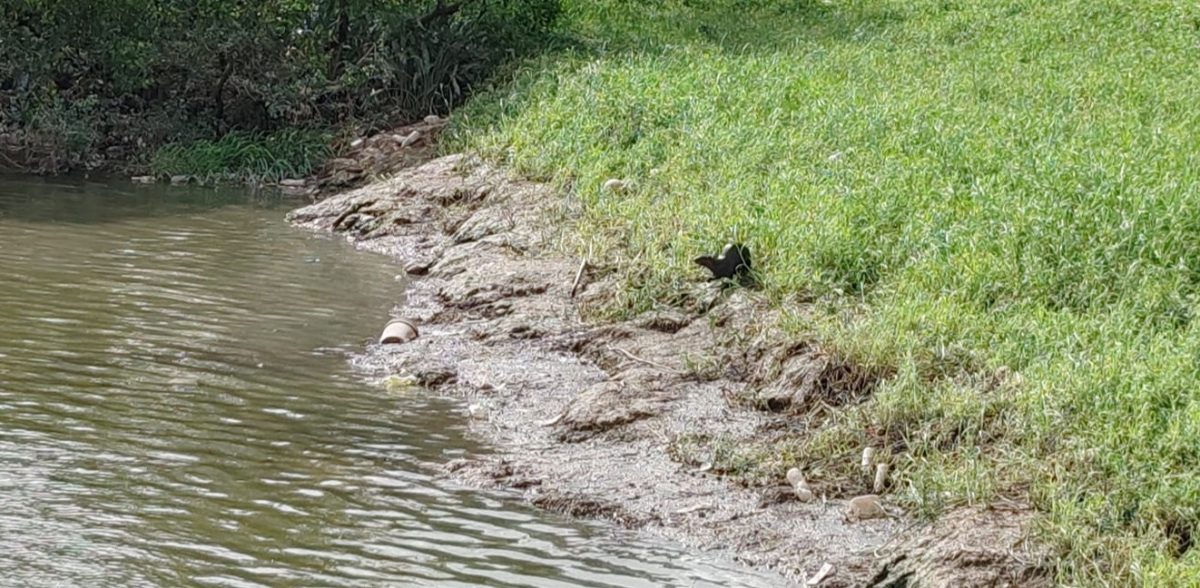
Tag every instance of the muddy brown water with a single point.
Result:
(177, 409)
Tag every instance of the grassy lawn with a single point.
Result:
(999, 201)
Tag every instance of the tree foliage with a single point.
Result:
(78, 79)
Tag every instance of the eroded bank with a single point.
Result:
(640, 422)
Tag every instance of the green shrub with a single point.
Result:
(245, 156)
(216, 66)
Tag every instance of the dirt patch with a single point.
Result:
(628, 422)
(970, 547)
(799, 378)
(367, 158)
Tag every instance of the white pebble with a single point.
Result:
(804, 493)
(868, 457)
(881, 474)
(867, 506)
(615, 185)
(412, 137)
(795, 477)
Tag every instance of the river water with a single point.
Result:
(177, 409)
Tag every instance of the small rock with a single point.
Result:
(868, 458)
(143, 179)
(433, 119)
(417, 268)
(412, 138)
(615, 185)
(867, 506)
(881, 474)
(822, 574)
(357, 143)
(795, 477)
(292, 183)
(804, 494)
(180, 179)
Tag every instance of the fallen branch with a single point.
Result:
(660, 366)
(578, 276)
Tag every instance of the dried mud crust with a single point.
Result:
(587, 419)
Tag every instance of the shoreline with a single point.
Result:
(638, 422)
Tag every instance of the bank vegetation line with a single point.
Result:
(994, 202)
(668, 422)
(223, 90)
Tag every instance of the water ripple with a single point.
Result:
(176, 410)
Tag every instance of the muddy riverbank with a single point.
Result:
(635, 422)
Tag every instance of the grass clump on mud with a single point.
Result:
(241, 155)
(999, 202)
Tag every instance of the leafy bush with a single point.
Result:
(218, 66)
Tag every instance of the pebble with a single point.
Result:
(881, 474)
(615, 185)
(822, 574)
(412, 137)
(416, 268)
(867, 506)
(804, 494)
(356, 143)
(795, 477)
(868, 458)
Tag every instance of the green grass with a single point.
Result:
(961, 188)
(241, 156)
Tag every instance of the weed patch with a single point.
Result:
(245, 156)
(962, 189)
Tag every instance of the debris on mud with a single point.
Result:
(371, 157)
(970, 547)
(632, 422)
